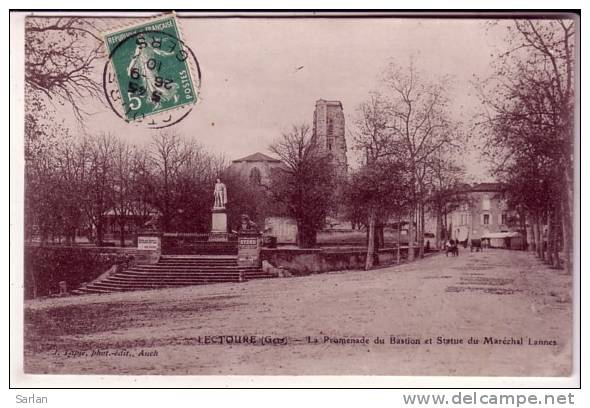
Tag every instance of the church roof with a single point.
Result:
(257, 157)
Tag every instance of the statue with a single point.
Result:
(220, 194)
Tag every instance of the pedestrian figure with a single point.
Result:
(451, 246)
(476, 244)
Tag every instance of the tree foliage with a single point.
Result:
(528, 126)
(408, 122)
(61, 57)
(305, 184)
(78, 187)
(376, 192)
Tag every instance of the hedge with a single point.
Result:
(46, 266)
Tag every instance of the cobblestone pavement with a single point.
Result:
(494, 313)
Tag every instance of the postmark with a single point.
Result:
(151, 77)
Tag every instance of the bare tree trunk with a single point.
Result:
(533, 244)
(525, 238)
(306, 236)
(379, 240)
(539, 232)
(411, 237)
(399, 238)
(33, 281)
(423, 229)
(535, 230)
(445, 225)
(371, 243)
(379, 234)
(567, 235)
(549, 248)
(568, 201)
(438, 228)
(422, 222)
(99, 232)
(122, 233)
(556, 244)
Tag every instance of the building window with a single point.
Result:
(504, 218)
(255, 176)
(486, 219)
(486, 203)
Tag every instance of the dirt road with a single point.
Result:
(428, 315)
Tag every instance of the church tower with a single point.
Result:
(328, 129)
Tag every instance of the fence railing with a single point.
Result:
(189, 243)
(206, 236)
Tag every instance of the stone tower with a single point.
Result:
(328, 129)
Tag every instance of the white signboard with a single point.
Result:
(149, 243)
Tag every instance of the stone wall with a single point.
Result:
(310, 261)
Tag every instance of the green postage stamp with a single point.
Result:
(149, 72)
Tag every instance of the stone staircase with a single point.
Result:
(174, 271)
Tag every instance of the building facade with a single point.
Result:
(483, 213)
(256, 167)
(329, 131)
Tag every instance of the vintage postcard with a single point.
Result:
(296, 194)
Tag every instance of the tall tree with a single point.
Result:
(61, 56)
(142, 188)
(123, 177)
(419, 126)
(68, 187)
(378, 189)
(529, 125)
(373, 140)
(182, 178)
(304, 185)
(247, 195)
(98, 193)
(166, 159)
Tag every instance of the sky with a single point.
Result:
(252, 89)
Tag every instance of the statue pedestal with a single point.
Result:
(219, 220)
